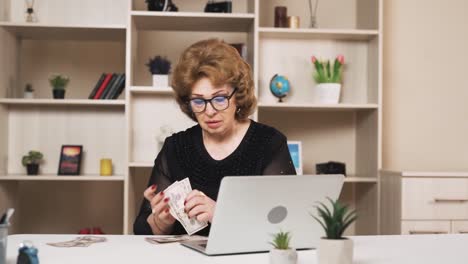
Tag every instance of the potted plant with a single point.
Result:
(334, 248)
(282, 253)
(28, 91)
(32, 161)
(59, 83)
(328, 80)
(159, 68)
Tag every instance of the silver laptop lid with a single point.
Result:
(251, 208)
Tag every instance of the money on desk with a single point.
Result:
(177, 193)
(172, 239)
(84, 241)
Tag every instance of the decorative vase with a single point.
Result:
(32, 169)
(106, 167)
(160, 80)
(335, 251)
(328, 93)
(58, 93)
(28, 95)
(283, 256)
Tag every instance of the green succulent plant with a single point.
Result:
(58, 81)
(33, 157)
(336, 220)
(281, 240)
(324, 72)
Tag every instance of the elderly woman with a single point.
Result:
(214, 87)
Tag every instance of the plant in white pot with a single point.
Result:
(31, 161)
(328, 88)
(334, 248)
(28, 91)
(159, 68)
(59, 83)
(282, 253)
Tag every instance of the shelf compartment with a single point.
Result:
(306, 33)
(61, 102)
(51, 177)
(38, 31)
(316, 107)
(192, 21)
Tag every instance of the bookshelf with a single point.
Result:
(127, 129)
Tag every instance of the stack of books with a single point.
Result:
(109, 86)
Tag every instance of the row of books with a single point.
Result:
(109, 86)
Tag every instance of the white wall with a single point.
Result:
(425, 85)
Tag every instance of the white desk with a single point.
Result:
(427, 249)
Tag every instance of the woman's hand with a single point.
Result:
(160, 220)
(200, 206)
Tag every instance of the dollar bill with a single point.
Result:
(84, 241)
(177, 193)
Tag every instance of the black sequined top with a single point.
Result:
(262, 151)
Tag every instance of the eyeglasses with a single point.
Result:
(219, 103)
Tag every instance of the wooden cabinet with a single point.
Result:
(424, 202)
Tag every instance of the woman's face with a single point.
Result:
(212, 121)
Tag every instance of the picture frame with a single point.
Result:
(70, 160)
(295, 150)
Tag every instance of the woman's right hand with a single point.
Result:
(160, 220)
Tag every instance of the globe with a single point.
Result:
(279, 86)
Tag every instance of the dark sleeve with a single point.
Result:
(279, 161)
(161, 177)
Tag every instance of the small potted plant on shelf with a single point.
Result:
(59, 83)
(28, 91)
(282, 253)
(32, 161)
(334, 248)
(328, 80)
(159, 68)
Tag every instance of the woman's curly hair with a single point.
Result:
(221, 64)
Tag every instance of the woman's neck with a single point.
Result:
(228, 135)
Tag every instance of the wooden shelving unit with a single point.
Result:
(127, 129)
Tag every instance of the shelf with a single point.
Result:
(361, 179)
(141, 164)
(193, 21)
(150, 90)
(306, 33)
(39, 31)
(62, 102)
(317, 107)
(428, 174)
(61, 178)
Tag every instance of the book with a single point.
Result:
(109, 86)
(121, 87)
(241, 48)
(113, 89)
(96, 87)
(103, 86)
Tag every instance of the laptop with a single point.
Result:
(250, 209)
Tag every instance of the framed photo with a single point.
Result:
(70, 160)
(295, 150)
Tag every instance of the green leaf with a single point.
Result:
(336, 72)
(328, 71)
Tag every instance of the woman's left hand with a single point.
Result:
(200, 206)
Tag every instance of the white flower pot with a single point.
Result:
(278, 256)
(328, 93)
(28, 95)
(335, 251)
(160, 80)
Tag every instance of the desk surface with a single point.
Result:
(425, 249)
